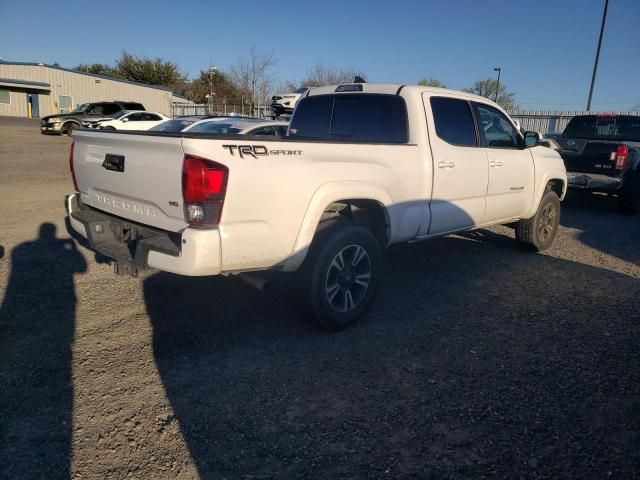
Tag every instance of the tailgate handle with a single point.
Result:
(112, 162)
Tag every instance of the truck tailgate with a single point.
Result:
(109, 167)
(589, 156)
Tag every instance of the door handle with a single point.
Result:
(446, 164)
(495, 163)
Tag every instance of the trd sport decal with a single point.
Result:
(258, 150)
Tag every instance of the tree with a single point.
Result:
(213, 80)
(321, 74)
(96, 68)
(149, 71)
(431, 82)
(251, 75)
(487, 88)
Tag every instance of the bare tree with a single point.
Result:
(321, 74)
(251, 75)
(431, 82)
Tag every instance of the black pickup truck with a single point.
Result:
(602, 154)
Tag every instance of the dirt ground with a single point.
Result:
(476, 360)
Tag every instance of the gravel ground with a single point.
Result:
(476, 360)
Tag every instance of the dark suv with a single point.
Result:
(66, 122)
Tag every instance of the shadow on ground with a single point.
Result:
(475, 359)
(602, 226)
(37, 323)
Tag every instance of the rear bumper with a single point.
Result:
(191, 252)
(594, 181)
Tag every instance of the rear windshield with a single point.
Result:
(172, 126)
(133, 106)
(367, 117)
(596, 127)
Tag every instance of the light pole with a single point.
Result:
(497, 69)
(212, 71)
(595, 64)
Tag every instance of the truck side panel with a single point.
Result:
(270, 191)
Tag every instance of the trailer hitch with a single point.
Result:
(125, 269)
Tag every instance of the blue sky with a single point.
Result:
(545, 48)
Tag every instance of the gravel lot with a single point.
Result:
(476, 360)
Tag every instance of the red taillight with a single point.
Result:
(204, 185)
(73, 172)
(622, 153)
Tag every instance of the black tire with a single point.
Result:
(629, 198)
(336, 297)
(67, 128)
(538, 232)
(109, 128)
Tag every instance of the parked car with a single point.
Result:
(130, 120)
(242, 126)
(602, 154)
(64, 123)
(285, 102)
(364, 166)
(180, 123)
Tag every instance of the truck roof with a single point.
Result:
(390, 89)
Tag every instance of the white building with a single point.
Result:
(36, 90)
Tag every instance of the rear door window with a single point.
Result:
(454, 121)
(132, 106)
(110, 108)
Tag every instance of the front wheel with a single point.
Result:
(67, 129)
(538, 232)
(340, 275)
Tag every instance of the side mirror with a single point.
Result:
(125, 120)
(531, 139)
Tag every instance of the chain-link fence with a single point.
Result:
(550, 121)
(231, 108)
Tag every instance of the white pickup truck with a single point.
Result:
(364, 166)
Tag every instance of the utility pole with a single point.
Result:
(211, 72)
(497, 69)
(595, 65)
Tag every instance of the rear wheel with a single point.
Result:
(538, 232)
(629, 198)
(340, 274)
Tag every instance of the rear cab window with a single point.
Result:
(604, 127)
(364, 117)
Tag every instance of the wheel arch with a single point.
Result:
(66, 123)
(556, 181)
(365, 204)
